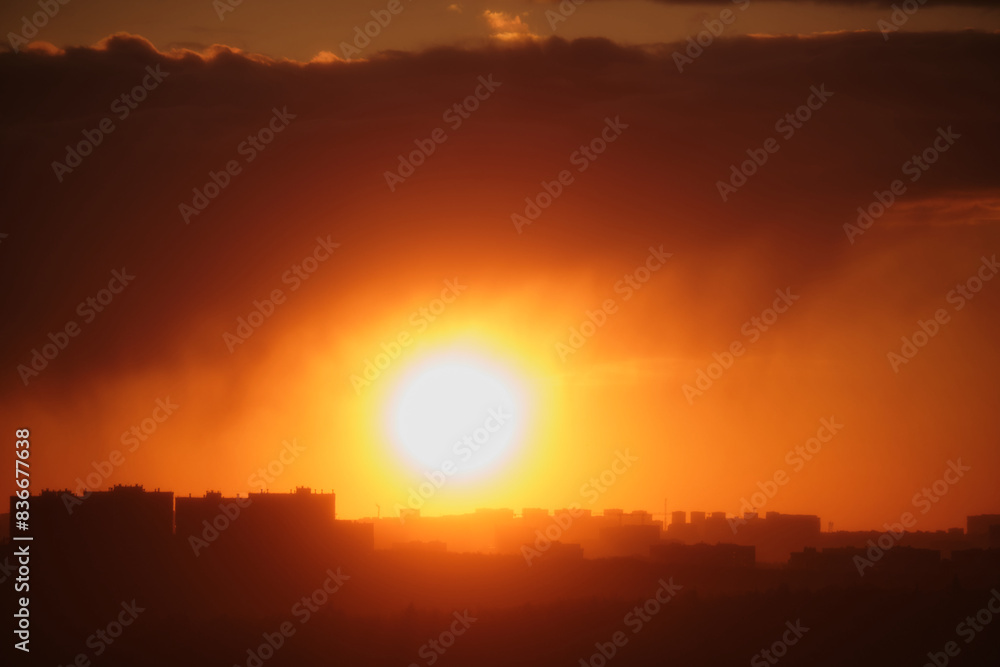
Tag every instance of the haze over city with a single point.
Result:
(421, 282)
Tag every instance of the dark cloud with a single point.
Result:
(324, 174)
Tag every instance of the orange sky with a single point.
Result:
(656, 185)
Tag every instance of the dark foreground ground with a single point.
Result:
(288, 608)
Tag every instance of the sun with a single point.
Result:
(459, 413)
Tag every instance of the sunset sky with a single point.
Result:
(649, 231)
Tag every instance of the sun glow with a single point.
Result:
(457, 411)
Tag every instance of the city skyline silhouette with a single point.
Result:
(468, 333)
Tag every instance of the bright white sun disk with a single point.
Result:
(457, 408)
